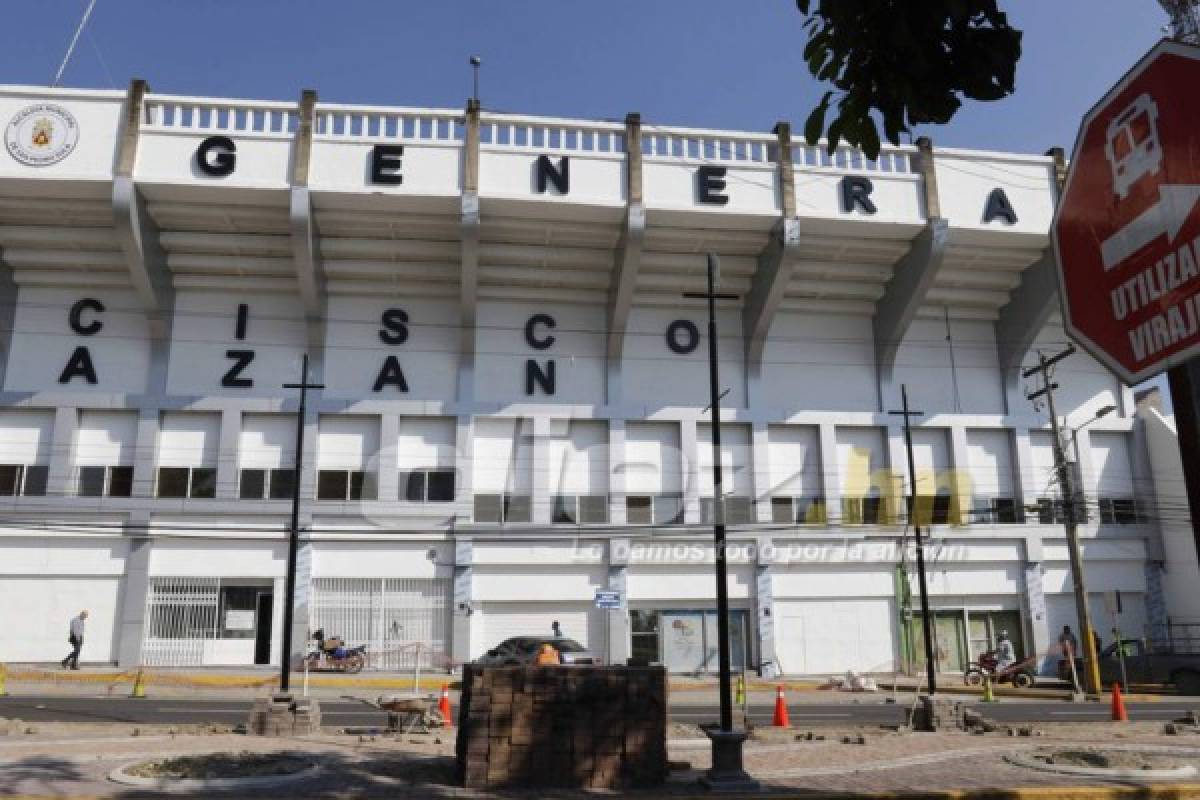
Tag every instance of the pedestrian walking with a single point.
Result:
(556, 629)
(1068, 642)
(75, 637)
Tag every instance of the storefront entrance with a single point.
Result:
(686, 641)
(208, 621)
(953, 648)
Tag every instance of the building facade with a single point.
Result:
(514, 404)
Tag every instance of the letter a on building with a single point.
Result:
(1125, 231)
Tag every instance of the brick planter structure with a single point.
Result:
(590, 727)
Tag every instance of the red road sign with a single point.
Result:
(1127, 233)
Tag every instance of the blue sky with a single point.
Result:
(705, 63)
(719, 63)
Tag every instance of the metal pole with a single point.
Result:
(1090, 666)
(285, 657)
(926, 622)
(718, 506)
(71, 47)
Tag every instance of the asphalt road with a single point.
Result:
(346, 712)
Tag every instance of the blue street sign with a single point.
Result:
(608, 598)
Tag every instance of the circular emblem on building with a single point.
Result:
(41, 135)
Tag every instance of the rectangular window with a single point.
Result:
(1050, 511)
(586, 509)
(283, 483)
(503, 508)
(783, 511)
(668, 509)
(252, 484)
(36, 476)
(362, 485)
(120, 481)
(427, 486)
(862, 510)
(737, 510)
(10, 479)
(91, 481)
(639, 509)
(566, 509)
(413, 486)
(800, 510)
(204, 482)
(440, 486)
(1118, 511)
(173, 482)
(331, 484)
(932, 509)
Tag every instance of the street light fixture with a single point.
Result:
(727, 773)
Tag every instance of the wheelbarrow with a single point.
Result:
(411, 714)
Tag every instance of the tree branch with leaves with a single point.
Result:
(907, 62)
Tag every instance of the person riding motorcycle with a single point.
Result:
(1005, 654)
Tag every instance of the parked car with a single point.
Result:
(522, 650)
(1143, 666)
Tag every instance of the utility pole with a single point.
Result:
(1091, 665)
(1184, 380)
(294, 529)
(926, 622)
(727, 773)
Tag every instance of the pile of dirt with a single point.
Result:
(211, 766)
(1110, 759)
(679, 730)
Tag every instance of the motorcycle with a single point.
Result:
(332, 655)
(1019, 673)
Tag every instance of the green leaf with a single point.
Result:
(816, 121)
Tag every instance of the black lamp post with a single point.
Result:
(727, 773)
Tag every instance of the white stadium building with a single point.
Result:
(514, 404)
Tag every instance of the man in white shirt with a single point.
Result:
(75, 637)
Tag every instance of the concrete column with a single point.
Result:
(228, 476)
(900, 488)
(764, 607)
(620, 645)
(463, 611)
(616, 473)
(1157, 619)
(60, 475)
(1034, 600)
(1025, 482)
(831, 476)
(302, 609)
(761, 475)
(541, 470)
(1087, 483)
(960, 481)
(388, 468)
(136, 585)
(464, 446)
(690, 474)
(308, 469)
(146, 452)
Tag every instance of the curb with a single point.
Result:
(119, 775)
(152, 679)
(1174, 773)
(1153, 791)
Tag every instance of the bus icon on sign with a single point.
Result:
(1132, 144)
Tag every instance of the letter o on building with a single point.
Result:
(683, 336)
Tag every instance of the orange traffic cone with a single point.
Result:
(444, 705)
(781, 712)
(1118, 705)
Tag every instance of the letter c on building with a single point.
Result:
(531, 337)
(75, 318)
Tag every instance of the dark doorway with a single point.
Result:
(262, 629)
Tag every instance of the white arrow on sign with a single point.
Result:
(1166, 216)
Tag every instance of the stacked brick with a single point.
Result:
(283, 715)
(566, 727)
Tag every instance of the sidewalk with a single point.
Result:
(48, 679)
(71, 760)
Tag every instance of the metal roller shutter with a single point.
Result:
(816, 637)
(579, 621)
